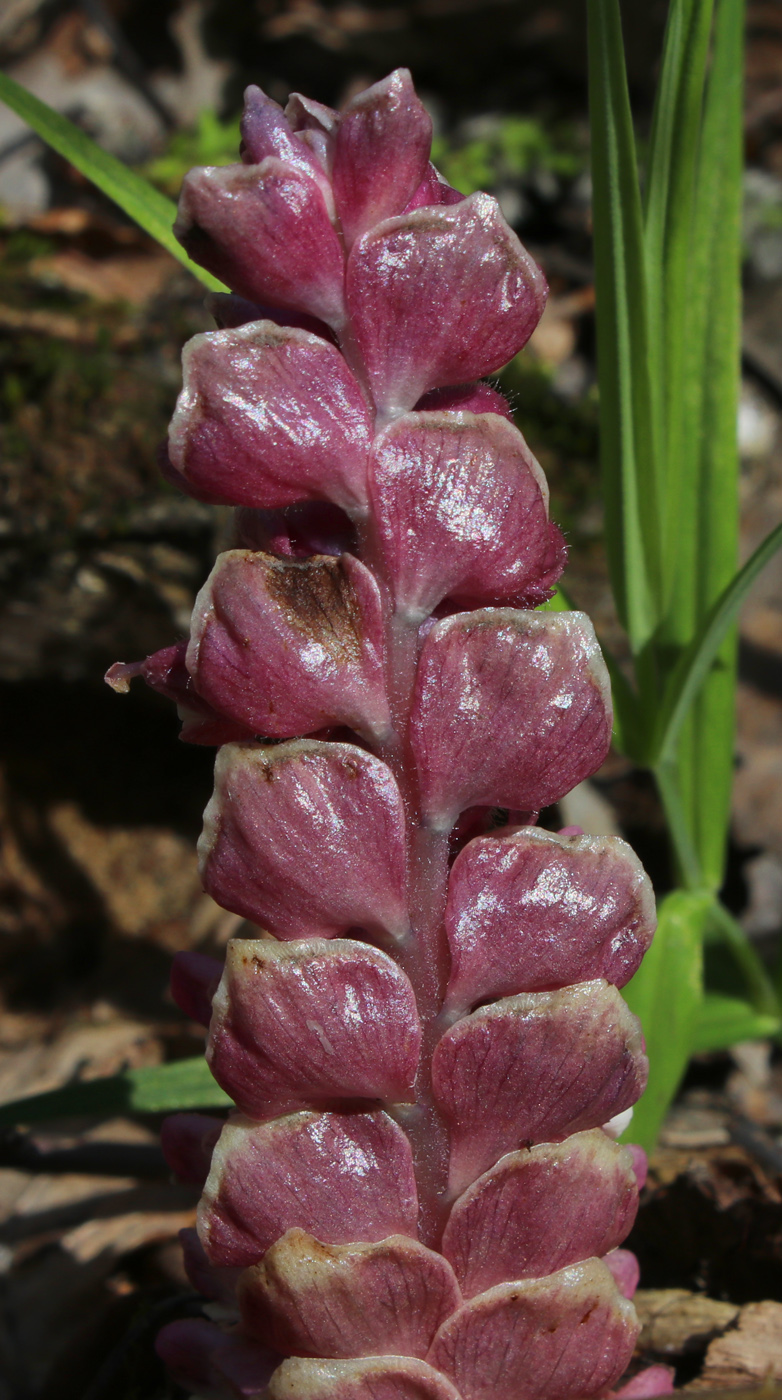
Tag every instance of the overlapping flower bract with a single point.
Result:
(416, 1198)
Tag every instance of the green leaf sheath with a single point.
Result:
(666, 994)
(150, 209)
(161, 1089)
(724, 1021)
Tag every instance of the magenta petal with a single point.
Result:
(433, 189)
(511, 708)
(218, 1285)
(310, 1299)
(381, 153)
(265, 231)
(466, 398)
(165, 671)
(626, 1270)
(303, 1023)
(269, 415)
(188, 1141)
(440, 296)
(548, 1339)
(341, 1177)
(267, 132)
(289, 647)
(535, 1068)
(533, 910)
(462, 512)
(374, 1378)
(219, 1365)
(194, 981)
(647, 1384)
(540, 1209)
(306, 839)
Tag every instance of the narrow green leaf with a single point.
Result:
(759, 984)
(150, 209)
(694, 665)
(724, 1021)
(627, 422)
(666, 994)
(161, 1089)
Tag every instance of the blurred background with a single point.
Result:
(100, 805)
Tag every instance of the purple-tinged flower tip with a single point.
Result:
(439, 297)
(544, 1339)
(305, 115)
(511, 708)
(165, 671)
(290, 647)
(310, 1299)
(265, 231)
(220, 1365)
(373, 1378)
(647, 1384)
(194, 981)
(540, 1209)
(283, 819)
(269, 416)
(433, 189)
(535, 1068)
(266, 131)
(296, 1025)
(462, 512)
(341, 1177)
(626, 1270)
(466, 398)
(297, 532)
(533, 910)
(188, 1141)
(381, 153)
(219, 1285)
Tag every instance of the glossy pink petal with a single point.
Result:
(626, 1270)
(532, 910)
(540, 1209)
(341, 1177)
(219, 1365)
(194, 981)
(462, 511)
(511, 709)
(547, 1339)
(381, 153)
(306, 839)
(310, 1299)
(269, 415)
(649, 1383)
(535, 1068)
(433, 189)
(374, 1378)
(188, 1141)
(466, 398)
(303, 1023)
(438, 297)
(267, 132)
(265, 231)
(287, 647)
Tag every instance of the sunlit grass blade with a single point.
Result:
(150, 209)
(160, 1089)
(694, 666)
(724, 1021)
(628, 429)
(666, 993)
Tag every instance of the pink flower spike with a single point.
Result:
(626, 1270)
(381, 153)
(284, 820)
(534, 910)
(647, 1384)
(438, 297)
(535, 1068)
(462, 511)
(540, 1209)
(311, 1299)
(287, 647)
(567, 1335)
(341, 1177)
(300, 1024)
(374, 1378)
(220, 1365)
(511, 709)
(265, 231)
(194, 981)
(269, 415)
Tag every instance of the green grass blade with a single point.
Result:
(161, 1089)
(694, 666)
(150, 209)
(759, 984)
(724, 1021)
(666, 993)
(627, 424)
